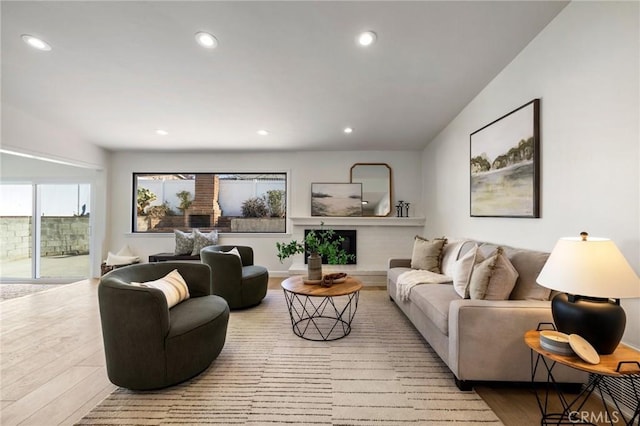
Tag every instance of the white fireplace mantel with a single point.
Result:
(357, 221)
(378, 239)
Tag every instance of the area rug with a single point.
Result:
(13, 291)
(383, 373)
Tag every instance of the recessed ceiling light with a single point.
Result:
(367, 38)
(35, 42)
(162, 132)
(348, 130)
(206, 40)
(262, 132)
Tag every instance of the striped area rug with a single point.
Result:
(383, 373)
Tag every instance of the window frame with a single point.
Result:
(186, 226)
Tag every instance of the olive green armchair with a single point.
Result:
(146, 344)
(235, 278)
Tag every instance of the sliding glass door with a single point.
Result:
(64, 232)
(16, 223)
(45, 230)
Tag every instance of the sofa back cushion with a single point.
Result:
(452, 252)
(528, 263)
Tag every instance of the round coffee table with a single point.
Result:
(321, 313)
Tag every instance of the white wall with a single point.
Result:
(26, 134)
(303, 168)
(20, 169)
(584, 66)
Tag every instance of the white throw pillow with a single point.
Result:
(172, 285)
(125, 251)
(201, 240)
(116, 260)
(462, 269)
(450, 253)
(233, 251)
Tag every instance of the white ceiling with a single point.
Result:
(120, 70)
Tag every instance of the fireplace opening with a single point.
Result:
(200, 221)
(348, 244)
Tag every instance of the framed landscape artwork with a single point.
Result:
(336, 199)
(505, 165)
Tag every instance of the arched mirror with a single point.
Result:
(376, 187)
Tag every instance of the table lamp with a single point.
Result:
(593, 276)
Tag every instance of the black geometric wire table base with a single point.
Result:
(573, 408)
(622, 365)
(321, 318)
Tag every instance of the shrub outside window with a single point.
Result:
(226, 202)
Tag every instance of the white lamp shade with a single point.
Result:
(593, 268)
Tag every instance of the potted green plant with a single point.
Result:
(185, 201)
(319, 243)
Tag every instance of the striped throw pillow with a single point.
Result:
(172, 285)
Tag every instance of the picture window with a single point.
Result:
(226, 202)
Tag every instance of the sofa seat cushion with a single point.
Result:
(253, 271)
(196, 312)
(394, 273)
(434, 300)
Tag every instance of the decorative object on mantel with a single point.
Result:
(318, 243)
(402, 209)
(592, 275)
(505, 165)
(377, 187)
(336, 199)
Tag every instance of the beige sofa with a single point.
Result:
(481, 340)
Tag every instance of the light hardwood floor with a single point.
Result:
(52, 369)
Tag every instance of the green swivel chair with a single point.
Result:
(235, 278)
(146, 344)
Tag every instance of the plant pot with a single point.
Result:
(314, 266)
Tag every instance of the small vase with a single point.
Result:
(314, 266)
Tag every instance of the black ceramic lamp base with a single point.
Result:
(599, 321)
